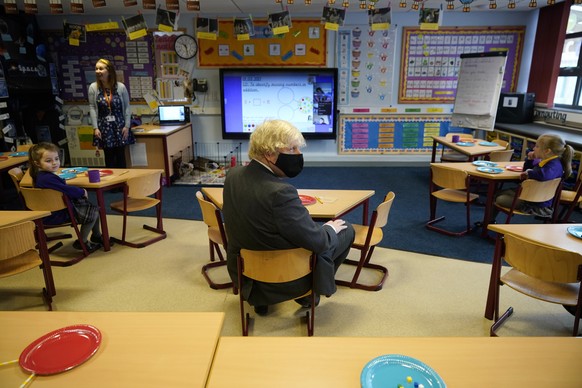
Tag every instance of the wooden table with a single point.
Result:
(12, 161)
(492, 181)
(164, 144)
(332, 203)
(117, 179)
(337, 362)
(138, 349)
(471, 152)
(11, 217)
(552, 235)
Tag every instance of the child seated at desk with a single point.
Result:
(551, 158)
(44, 164)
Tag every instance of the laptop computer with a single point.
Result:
(173, 114)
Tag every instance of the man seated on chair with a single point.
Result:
(264, 212)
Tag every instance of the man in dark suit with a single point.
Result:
(263, 212)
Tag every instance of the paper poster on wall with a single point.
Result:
(366, 67)
(396, 135)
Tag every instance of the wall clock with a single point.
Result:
(186, 46)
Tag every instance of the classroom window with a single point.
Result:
(569, 85)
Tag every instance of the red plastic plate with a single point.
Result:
(102, 173)
(307, 199)
(514, 168)
(61, 350)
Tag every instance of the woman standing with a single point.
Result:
(110, 114)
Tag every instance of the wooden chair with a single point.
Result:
(216, 237)
(23, 147)
(454, 156)
(18, 255)
(137, 194)
(570, 199)
(532, 190)
(500, 156)
(53, 200)
(367, 237)
(450, 185)
(541, 272)
(16, 175)
(278, 266)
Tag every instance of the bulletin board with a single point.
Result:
(133, 60)
(430, 60)
(396, 135)
(304, 45)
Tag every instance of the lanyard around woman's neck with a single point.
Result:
(108, 97)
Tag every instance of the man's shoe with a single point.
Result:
(91, 246)
(305, 301)
(262, 310)
(99, 240)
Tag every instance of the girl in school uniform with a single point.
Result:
(44, 163)
(551, 158)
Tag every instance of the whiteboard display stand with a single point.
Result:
(478, 88)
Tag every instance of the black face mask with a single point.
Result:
(290, 164)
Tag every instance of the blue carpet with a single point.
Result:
(405, 229)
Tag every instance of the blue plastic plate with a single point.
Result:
(74, 170)
(465, 144)
(19, 154)
(67, 175)
(390, 370)
(484, 163)
(575, 231)
(490, 170)
(488, 144)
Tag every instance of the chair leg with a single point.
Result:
(499, 322)
(205, 272)
(364, 262)
(311, 316)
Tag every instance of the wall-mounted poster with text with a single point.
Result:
(430, 60)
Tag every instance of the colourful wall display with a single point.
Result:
(303, 45)
(381, 134)
(430, 60)
(365, 60)
(133, 60)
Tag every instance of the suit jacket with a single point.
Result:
(264, 212)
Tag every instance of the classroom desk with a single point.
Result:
(138, 349)
(163, 145)
(117, 179)
(552, 235)
(492, 181)
(472, 152)
(338, 362)
(11, 161)
(332, 203)
(11, 217)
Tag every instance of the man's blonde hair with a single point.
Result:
(272, 135)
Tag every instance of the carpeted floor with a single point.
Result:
(424, 295)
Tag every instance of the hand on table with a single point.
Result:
(337, 225)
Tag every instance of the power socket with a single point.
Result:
(200, 85)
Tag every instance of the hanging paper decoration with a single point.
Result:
(550, 2)
(492, 4)
(30, 7)
(135, 27)
(244, 27)
(402, 4)
(77, 6)
(450, 4)
(333, 18)
(149, 4)
(429, 18)
(206, 28)
(166, 20)
(533, 4)
(415, 4)
(345, 4)
(466, 5)
(511, 4)
(10, 7)
(362, 4)
(380, 18)
(172, 5)
(129, 3)
(193, 5)
(99, 3)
